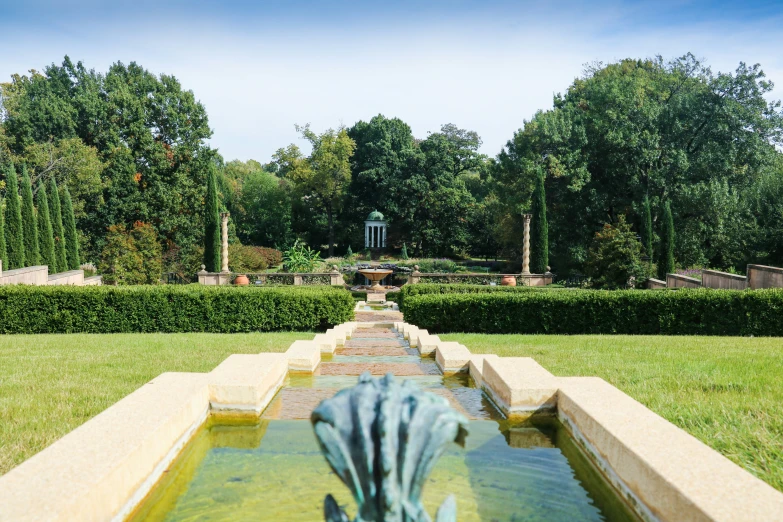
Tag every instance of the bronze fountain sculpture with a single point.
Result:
(382, 439)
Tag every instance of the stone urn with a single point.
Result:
(241, 280)
(508, 280)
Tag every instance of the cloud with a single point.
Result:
(483, 66)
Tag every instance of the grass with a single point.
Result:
(50, 384)
(725, 391)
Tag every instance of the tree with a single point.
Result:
(45, 231)
(71, 236)
(131, 257)
(145, 240)
(666, 256)
(32, 254)
(264, 211)
(539, 251)
(404, 253)
(3, 251)
(212, 225)
(646, 228)
(324, 176)
(58, 230)
(14, 233)
(613, 257)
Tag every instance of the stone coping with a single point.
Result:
(727, 275)
(104, 468)
(765, 268)
(69, 273)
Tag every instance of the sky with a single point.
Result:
(261, 67)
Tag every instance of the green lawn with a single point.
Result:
(726, 391)
(50, 384)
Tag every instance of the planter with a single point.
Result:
(508, 280)
(241, 280)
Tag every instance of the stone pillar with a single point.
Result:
(366, 236)
(526, 246)
(224, 240)
(383, 242)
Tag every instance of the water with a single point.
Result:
(271, 468)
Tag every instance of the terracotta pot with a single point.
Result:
(241, 280)
(508, 280)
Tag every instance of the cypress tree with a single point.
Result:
(3, 251)
(212, 225)
(666, 256)
(14, 242)
(539, 235)
(57, 228)
(32, 254)
(71, 237)
(45, 233)
(647, 235)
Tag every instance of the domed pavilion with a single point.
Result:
(375, 230)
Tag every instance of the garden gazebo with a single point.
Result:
(375, 230)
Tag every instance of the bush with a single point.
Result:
(425, 289)
(169, 308)
(301, 258)
(681, 312)
(131, 257)
(613, 260)
(250, 259)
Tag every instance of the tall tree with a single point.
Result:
(324, 176)
(666, 256)
(212, 225)
(32, 255)
(71, 236)
(57, 228)
(45, 231)
(14, 234)
(646, 229)
(3, 251)
(539, 251)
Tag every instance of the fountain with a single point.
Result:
(375, 275)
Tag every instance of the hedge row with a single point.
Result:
(681, 312)
(427, 288)
(194, 308)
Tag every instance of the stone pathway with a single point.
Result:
(379, 351)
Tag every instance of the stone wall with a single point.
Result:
(32, 275)
(72, 277)
(760, 276)
(278, 278)
(680, 281)
(654, 284)
(93, 281)
(480, 279)
(724, 280)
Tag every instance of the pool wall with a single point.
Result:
(104, 468)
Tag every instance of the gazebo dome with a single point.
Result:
(375, 216)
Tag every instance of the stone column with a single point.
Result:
(383, 243)
(366, 236)
(224, 240)
(526, 246)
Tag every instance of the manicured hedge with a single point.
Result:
(680, 312)
(193, 308)
(426, 288)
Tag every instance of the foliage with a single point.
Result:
(131, 257)
(666, 254)
(646, 229)
(45, 232)
(243, 258)
(32, 254)
(212, 225)
(539, 234)
(71, 237)
(613, 259)
(404, 253)
(57, 228)
(349, 253)
(301, 258)
(323, 177)
(14, 239)
(458, 288)
(638, 312)
(264, 210)
(170, 308)
(3, 251)
(437, 266)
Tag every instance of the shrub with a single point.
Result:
(14, 241)
(613, 260)
(272, 256)
(243, 258)
(57, 227)
(131, 257)
(681, 312)
(301, 258)
(426, 288)
(71, 236)
(170, 308)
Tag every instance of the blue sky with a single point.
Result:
(261, 67)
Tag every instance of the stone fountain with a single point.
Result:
(375, 275)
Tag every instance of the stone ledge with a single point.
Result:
(303, 356)
(427, 344)
(476, 368)
(327, 342)
(670, 473)
(99, 470)
(247, 382)
(519, 385)
(452, 357)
